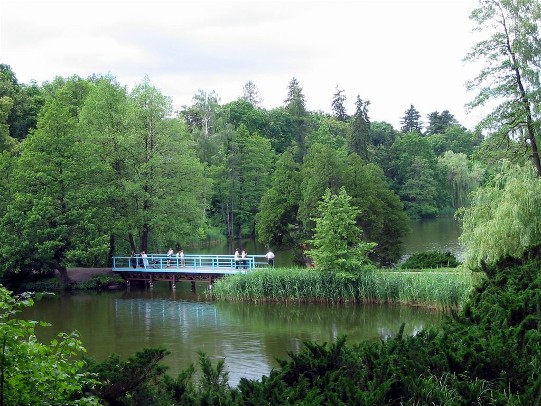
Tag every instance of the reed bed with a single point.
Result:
(444, 288)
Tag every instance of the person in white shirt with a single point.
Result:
(270, 257)
(237, 258)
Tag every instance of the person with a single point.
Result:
(133, 260)
(169, 255)
(244, 261)
(181, 256)
(270, 257)
(237, 258)
(145, 259)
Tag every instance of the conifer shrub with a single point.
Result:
(431, 259)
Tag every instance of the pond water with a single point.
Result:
(250, 337)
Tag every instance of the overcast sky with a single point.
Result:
(393, 53)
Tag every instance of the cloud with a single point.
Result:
(393, 53)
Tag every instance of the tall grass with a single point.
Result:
(443, 289)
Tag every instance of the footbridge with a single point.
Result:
(190, 268)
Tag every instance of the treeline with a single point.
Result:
(91, 169)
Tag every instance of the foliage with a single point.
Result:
(509, 82)
(441, 288)
(430, 259)
(411, 122)
(503, 220)
(337, 244)
(463, 177)
(359, 138)
(276, 221)
(416, 176)
(32, 373)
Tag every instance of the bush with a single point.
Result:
(431, 259)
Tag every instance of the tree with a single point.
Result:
(503, 220)
(337, 105)
(411, 121)
(337, 245)
(510, 79)
(382, 217)
(251, 94)
(48, 218)
(438, 123)
(168, 187)
(360, 129)
(295, 104)
(463, 177)
(323, 169)
(276, 222)
(416, 175)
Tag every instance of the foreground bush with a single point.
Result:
(439, 289)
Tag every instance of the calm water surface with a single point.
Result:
(248, 336)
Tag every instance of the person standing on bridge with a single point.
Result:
(133, 259)
(169, 255)
(244, 261)
(270, 258)
(145, 259)
(237, 258)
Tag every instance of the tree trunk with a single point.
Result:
(63, 276)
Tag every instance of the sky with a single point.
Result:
(394, 53)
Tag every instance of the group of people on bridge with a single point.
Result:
(240, 258)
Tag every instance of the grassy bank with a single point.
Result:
(440, 288)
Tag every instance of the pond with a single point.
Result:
(248, 336)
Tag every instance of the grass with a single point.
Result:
(441, 288)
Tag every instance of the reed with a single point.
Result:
(444, 288)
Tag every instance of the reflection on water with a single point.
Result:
(249, 336)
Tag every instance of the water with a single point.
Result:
(250, 337)
(439, 234)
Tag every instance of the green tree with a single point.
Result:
(416, 176)
(360, 129)
(338, 107)
(411, 122)
(382, 217)
(337, 244)
(168, 189)
(295, 104)
(32, 373)
(438, 123)
(276, 222)
(463, 177)
(48, 220)
(503, 219)
(323, 169)
(510, 78)
(251, 94)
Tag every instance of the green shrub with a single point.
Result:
(431, 259)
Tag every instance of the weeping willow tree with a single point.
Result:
(462, 176)
(503, 220)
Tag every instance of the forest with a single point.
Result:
(92, 170)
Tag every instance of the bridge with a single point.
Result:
(190, 268)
